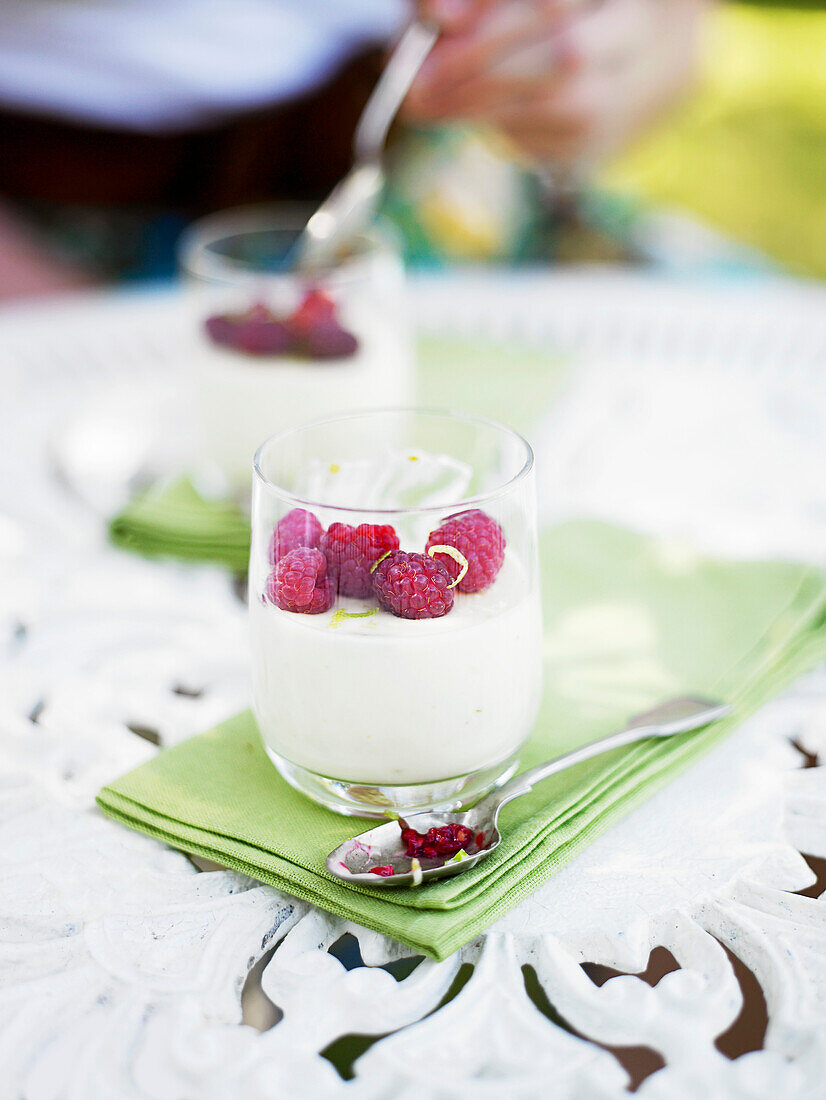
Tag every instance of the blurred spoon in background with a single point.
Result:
(351, 205)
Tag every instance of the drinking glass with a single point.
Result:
(273, 346)
(394, 606)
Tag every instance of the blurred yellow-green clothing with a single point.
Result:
(747, 151)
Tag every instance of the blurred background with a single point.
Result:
(683, 138)
(678, 133)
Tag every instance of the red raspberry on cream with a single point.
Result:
(300, 582)
(352, 552)
(413, 586)
(298, 528)
(479, 539)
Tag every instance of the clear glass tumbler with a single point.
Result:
(395, 611)
(273, 346)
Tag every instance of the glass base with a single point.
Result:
(365, 800)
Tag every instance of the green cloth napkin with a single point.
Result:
(175, 521)
(508, 382)
(629, 621)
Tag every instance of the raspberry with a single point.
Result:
(352, 551)
(263, 338)
(436, 843)
(300, 583)
(220, 328)
(312, 330)
(412, 586)
(314, 308)
(328, 340)
(297, 528)
(480, 539)
(257, 332)
(384, 871)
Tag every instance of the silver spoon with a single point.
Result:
(350, 207)
(382, 846)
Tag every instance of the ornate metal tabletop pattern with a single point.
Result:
(122, 965)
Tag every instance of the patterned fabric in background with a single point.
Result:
(458, 193)
(745, 155)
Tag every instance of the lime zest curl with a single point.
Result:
(457, 556)
(341, 615)
(378, 561)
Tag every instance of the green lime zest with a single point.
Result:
(378, 561)
(341, 615)
(460, 855)
(457, 556)
(416, 872)
(370, 796)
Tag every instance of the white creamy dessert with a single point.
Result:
(391, 701)
(241, 400)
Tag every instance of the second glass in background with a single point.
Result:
(273, 347)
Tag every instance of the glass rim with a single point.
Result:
(421, 411)
(197, 260)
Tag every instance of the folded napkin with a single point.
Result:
(508, 382)
(629, 621)
(175, 521)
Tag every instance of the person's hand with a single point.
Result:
(569, 81)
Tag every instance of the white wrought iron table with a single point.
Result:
(125, 971)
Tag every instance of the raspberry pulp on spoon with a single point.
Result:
(440, 842)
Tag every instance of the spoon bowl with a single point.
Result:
(382, 846)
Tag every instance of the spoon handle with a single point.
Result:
(525, 781)
(393, 85)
